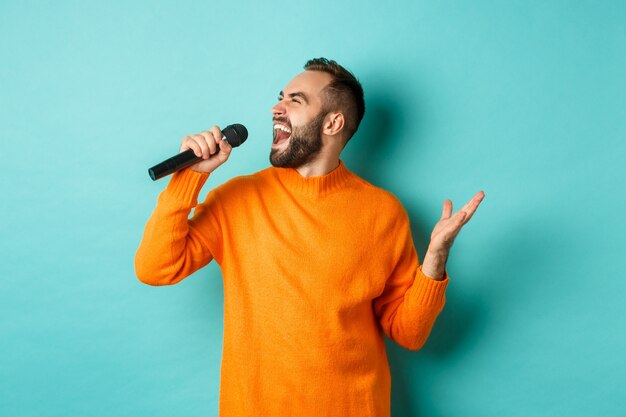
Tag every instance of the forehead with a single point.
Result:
(310, 83)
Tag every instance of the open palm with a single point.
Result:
(449, 226)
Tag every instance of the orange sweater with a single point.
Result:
(314, 270)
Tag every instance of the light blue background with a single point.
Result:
(523, 99)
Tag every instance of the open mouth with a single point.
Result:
(281, 134)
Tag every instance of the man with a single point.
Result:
(316, 262)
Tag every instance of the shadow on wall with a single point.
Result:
(503, 279)
(498, 275)
(370, 152)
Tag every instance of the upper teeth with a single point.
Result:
(283, 128)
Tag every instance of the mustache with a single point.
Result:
(283, 120)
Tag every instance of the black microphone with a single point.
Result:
(235, 135)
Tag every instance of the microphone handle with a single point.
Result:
(234, 135)
(173, 164)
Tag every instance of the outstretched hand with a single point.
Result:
(449, 226)
(444, 233)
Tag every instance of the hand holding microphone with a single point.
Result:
(203, 152)
(210, 147)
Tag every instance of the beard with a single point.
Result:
(304, 145)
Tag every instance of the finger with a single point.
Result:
(206, 149)
(453, 226)
(476, 198)
(472, 205)
(190, 143)
(447, 209)
(217, 135)
(209, 140)
(455, 220)
(225, 149)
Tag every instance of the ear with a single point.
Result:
(333, 123)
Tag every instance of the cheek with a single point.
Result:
(299, 120)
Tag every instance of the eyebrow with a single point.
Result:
(296, 94)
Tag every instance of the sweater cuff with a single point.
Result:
(429, 291)
(185, 185)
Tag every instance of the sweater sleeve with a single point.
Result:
(173, 246)
(410, 302)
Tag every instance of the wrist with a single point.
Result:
(434, 263)
(438, 252)
(433, 273)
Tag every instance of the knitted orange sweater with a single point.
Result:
(315, 270)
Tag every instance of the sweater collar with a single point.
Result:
(314, 186)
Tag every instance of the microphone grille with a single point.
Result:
(236, 134)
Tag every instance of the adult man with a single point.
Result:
(316, 262)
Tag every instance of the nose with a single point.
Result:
(279, 109)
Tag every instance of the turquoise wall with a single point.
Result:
(523, 99)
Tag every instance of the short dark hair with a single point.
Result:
(344, 92)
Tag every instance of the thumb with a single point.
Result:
(447, 209)
(225, 150)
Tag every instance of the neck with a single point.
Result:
(324, 162)
(319, 166)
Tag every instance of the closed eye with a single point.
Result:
(297, 97)
(295, 100)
